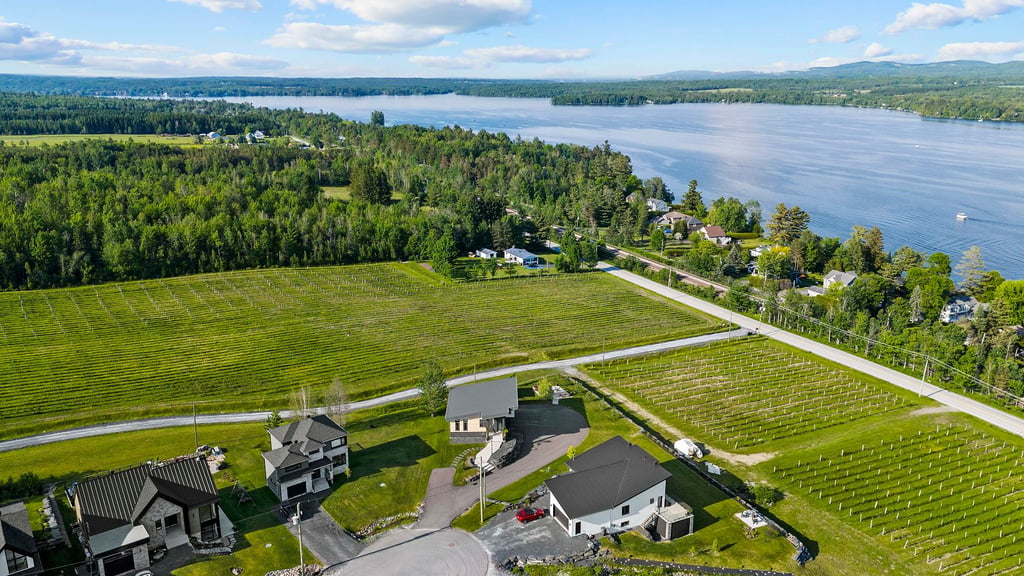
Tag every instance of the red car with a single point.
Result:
(527, 514)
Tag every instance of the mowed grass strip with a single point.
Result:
(246, 340)
(744, 393)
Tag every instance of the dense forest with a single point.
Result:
(97, 211)
(965, 90)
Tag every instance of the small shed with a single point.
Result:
(674, 521)
(486, 254)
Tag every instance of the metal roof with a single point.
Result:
(119, 498)
(489, 399)
(15, 530)
(606, 476)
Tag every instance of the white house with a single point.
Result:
(716, 234)
(958, 308)
(521, 257)
(611, 487)
(478, 414)
(305, 456)
(657, 205)
(18, 553)
(842, 279)
(486, 254)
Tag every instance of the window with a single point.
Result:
(457, 425)
(15, 561)
(340, 459)
(652, 501)
(625, 510)
(465, 424)
(339, 442)
(624, 524)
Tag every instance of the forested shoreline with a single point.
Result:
(956, 90)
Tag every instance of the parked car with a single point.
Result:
(526, 514)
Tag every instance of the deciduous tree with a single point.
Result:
(432, 387)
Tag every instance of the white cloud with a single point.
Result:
(384, 38)
(485, 57)
(838, 36)
(222, 5)
(453, 15)
(939, 15)
(876, 50)
(981, 50)
(397, 25)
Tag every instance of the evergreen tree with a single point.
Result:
(693, 203)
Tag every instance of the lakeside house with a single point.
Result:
(125, 515)
(19, 555)
(959, 307)
(838, 278)
(305, 456)
(716, 234)
(612, 487)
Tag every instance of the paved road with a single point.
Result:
(168, 422)
(989, 414)
(444, 552)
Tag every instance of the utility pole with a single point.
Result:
(195, 424)
(483, 492)
(924, 375)
(298, 522)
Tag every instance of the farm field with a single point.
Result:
(247, 340)
(739, 382)
(876, 476)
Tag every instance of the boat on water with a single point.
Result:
(961, 216)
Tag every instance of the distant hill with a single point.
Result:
(955, 68)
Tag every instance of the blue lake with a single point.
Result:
(907, 175)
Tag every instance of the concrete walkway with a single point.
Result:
(239, 417)
(987, 413)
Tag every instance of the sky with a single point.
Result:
(540, 39)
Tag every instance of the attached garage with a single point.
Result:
(295, 490)
(119, 564)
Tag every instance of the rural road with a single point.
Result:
(989, 414)
(237, 417)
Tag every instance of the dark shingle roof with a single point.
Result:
(309, 433)
(606, 476)
(15, 530)
(285, 456)
(122, 497)
(490, 399)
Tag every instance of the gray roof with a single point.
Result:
(120, 498)
(310, 434)
(521, 253)
(845, 278)
(15, 530)
(606, 476)
(285, 456)
(490, 399)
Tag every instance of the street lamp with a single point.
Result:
(297, 521)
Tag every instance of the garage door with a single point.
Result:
(560, 516)
(296, 490)
(119, 564)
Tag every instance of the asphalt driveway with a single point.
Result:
(505, 537)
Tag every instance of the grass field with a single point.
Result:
(877, 480)
(246, 340)
(52, 139)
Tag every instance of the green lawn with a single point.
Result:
(392, 451)
(246, 340)
(258, 552)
